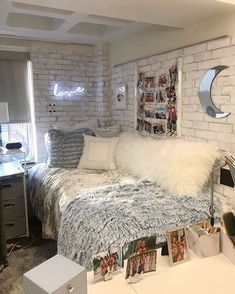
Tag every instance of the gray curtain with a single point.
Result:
(14, 85)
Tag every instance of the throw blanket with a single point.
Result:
(119, 213)
(51, 189)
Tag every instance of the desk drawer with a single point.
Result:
(12, 188)
(13, 208)
(15, 227)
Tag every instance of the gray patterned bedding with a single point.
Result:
(91, 210)
(51, 189)
(119, 213)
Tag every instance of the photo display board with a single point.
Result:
(157, 103)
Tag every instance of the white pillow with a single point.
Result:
(98, 153)
(179, 166)
(84, 124)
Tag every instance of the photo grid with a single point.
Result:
(157, 103)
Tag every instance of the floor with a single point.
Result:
(26, 254)
(207, 275)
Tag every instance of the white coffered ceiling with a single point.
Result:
(93, 21)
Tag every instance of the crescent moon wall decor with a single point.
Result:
(205, 93)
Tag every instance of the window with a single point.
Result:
(23, 133)
(16, 84)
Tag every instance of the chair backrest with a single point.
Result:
(229, 223)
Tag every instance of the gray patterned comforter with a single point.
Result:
(119, 213)
(92, 210)
(51, 189)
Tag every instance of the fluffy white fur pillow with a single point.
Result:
(98, 153)
(179, 166)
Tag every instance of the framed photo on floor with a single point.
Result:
(120, 96)
(178, 245)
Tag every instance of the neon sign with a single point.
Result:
(59, 93)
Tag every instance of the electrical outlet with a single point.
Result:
(51, 108)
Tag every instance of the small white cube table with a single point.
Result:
(57, 275)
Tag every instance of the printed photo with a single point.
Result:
(171, 127)
(160, 112)
(149, 83)
(161, 96)
(140, 124)
(120, 97)
(149, 114)
(159, 129)
(171, 119)
(171, 94)
(141, 81)
(173, 75)
(162, 80)
(141, 263)
(105, 264)
(147, 127)
(149, 96)
(178, 246)
(138, 246)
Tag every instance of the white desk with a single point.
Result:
(215, 275)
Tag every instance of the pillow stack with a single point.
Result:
(65, 147)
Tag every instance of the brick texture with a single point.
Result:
(196, 60)
(69, 68)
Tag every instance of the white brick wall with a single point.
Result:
(91, 69)
(69, 67)
(196, 61)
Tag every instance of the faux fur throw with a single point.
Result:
(119, 213)
(179, 166)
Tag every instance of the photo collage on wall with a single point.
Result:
(157, 103)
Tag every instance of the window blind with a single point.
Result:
(14, 85)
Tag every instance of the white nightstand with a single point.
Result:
(13, 200)
(57, 275)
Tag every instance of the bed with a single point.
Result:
(89, 211)
(95, 193)
(51, 189)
